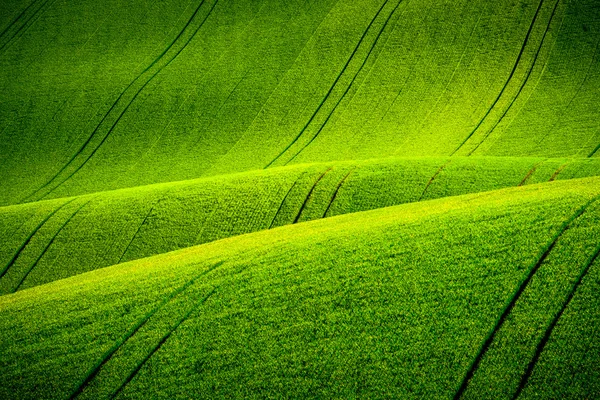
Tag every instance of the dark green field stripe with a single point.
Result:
(310, 192)
(28, 239)
(48, 246)
(140, 90)
(515, 297)
(531, 171)
(337, 189)
(120, 97)
(542, 344)
(524, 83)
(510, 76)
(91, 374)
(362, 38)
(161, 342)
(558, 171)
(25, 25)
(351, 82)
(136, 232)
(440, 169)
(17, 19)
(283, 201)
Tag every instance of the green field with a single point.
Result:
(300, 199)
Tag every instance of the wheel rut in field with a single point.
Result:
(508, 80)
(124, 101)
(93, 372)
(515, 297)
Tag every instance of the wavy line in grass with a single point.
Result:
(350, 85)
(439, 170)
(337, 189)
(312, 189)
(25, 25)
(531, 171)
(14, 21)
(136, 232)
(121, 95)
(542, 344)
(161, 342)
(283, 201)
(281, 81)
(510, 76)
(48, 246)
(92, 372)
(524, 83)
(324, 99)
(515, 297)
(28, 239)
(558, 171)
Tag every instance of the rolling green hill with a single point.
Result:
(299, 199)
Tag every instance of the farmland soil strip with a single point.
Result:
(510, 76)
(310, 192)
(542, 344)
(335, 82)
(28, 239)
(91, 373)
(515, 297)
(161, 342)
(531, 172)
(558, 171)
(435, 175)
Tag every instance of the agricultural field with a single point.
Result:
(300, 199)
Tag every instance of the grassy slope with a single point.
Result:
(231, 85)
(495, 292)
(343, 307)
(99, 230)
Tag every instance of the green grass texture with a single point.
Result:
(345, 199)
(341, 307)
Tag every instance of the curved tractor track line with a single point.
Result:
(23, 27)
(310, 192)
(91, 373)
(531, 172)
(515, 297)
(368, 56)
(28, 239)
(136, 232)
(335, 82)
(162, 341)
(510, 76)
(113, 109)
(283, 201)
(35, 263)
(435, 175)
(17, 18)
(558, 171)
(337, 189)
(542, 344)
(525, 81)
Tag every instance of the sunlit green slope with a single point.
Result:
(448, 297)
(109, 94)
(55, 239)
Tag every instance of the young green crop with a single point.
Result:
(341, 307)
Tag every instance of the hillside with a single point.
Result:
(299, 199)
